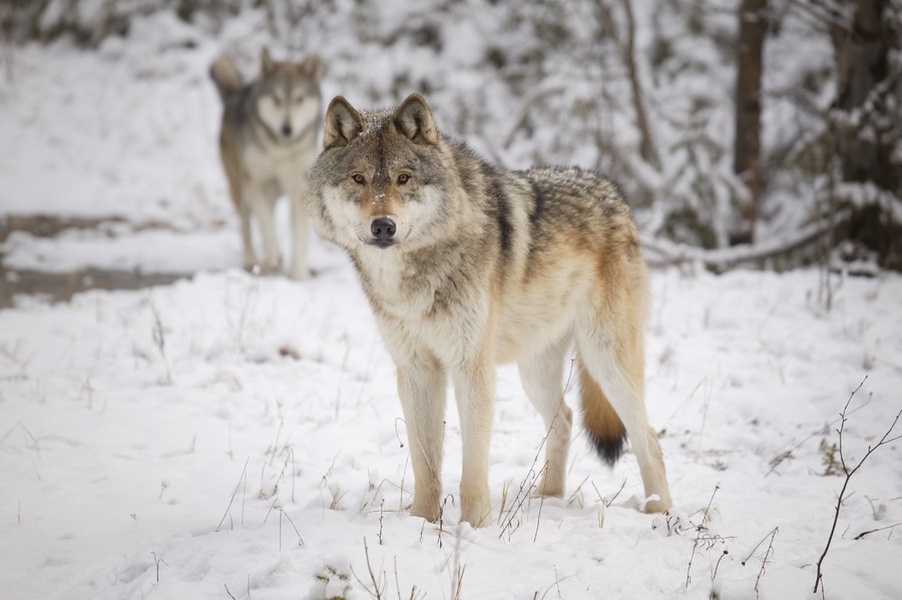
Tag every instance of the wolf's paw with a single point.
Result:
(426, 510)
(550, 489)
(477, 517)
(271, 267)
(656, 505)
(300, 273)
(477, 513)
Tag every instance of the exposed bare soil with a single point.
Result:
(60, 287)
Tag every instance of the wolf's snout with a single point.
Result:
(286, 129)
(383, 230)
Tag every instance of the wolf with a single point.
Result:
(266, 143)
(467, 265)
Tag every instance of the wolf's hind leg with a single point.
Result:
(541, 376)
(612, 352)
(421, 386)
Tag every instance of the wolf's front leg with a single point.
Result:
(263, 206)
(475, 392)
(247, 238)
(421, 386)
(300, 234)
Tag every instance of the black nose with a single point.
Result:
(383, 229)
(286, 129)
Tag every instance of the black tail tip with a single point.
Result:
(609, 449)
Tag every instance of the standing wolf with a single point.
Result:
(465, 266)
(267, 142)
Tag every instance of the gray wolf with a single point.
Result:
(266, 143)
(467, 265)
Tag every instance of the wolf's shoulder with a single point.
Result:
(575, 179)
(238, 105)
(575, 185)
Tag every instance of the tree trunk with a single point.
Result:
(647, 147)
(865, 120)
(627, 46)
(862, 62)
(747, 152)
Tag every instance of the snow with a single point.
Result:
(231, 435)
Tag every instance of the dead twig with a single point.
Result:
(849, 472)
(870, 531)
(378, 588)
(770, 550)
(701, 536)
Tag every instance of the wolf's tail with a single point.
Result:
(226, 77)
(603, 425)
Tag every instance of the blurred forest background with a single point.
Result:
(745, 132)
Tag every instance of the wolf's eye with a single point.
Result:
(277, 101)
(358, 179)
(403, 178)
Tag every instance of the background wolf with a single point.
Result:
(466, 265)
(267, 141)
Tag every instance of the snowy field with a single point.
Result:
(230, 436)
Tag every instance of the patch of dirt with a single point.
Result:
(60, 287)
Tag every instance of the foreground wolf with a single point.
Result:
(267, 141)
(465, 266)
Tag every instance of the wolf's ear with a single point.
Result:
(314, 68)
(414, 120)
(343, 123)
(267, 64)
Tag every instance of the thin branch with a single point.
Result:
(378, 588)
(870, 531)
(527, 104)
(626, 46)
(772, 534)
(243, 477)
(885, 439)
(647, 147)
(664, 253)
(786, 454)
(699, 537)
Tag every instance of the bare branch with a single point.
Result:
(525, 107)
(701, 536)
(663, 253)
(885, 439)
(870, 531)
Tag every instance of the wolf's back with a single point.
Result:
(226, 77)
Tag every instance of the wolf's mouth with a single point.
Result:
(383, 243)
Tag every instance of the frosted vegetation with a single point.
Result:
(642, 90)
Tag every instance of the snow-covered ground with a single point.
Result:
(234, 436)
(244, 433)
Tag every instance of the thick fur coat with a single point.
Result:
(267, 142)
(467, 265)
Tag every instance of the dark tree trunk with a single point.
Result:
(747, 152)
(647, 147)
(866, 123)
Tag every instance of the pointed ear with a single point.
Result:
(414, 120)
(314, 68)
(343, 123)
(267, 64)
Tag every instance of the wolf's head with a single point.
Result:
(383, 179)
(287, 97)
